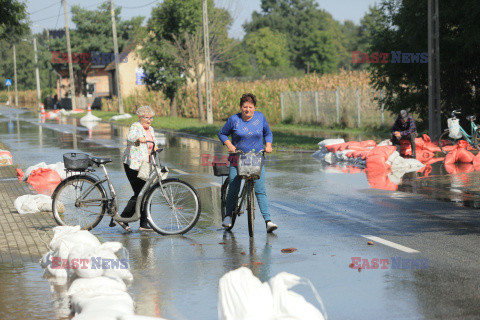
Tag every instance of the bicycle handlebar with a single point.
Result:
(238, 151)
(454, 112)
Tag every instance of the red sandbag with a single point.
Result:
(336, 147)
(423, 155)
(355, 145)
(476, 162)
(20, 174)
(405, 148)
(425, 170)
(368, 143)
(44, 180)
(360, 154)
(459, 153)
(377, 157)
(379, 180)
(454, 168)
(464, 156)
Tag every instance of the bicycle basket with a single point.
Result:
(220, 169)
(250, 164)
(76, 161)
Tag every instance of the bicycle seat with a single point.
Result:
(471, 118)
(99, 160)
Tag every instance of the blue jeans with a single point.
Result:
(260, 192)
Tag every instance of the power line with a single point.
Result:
(58, 16)
(43, 8)
(142, 6)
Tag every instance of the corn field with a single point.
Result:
(226, 97)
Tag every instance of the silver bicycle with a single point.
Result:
(172, 206)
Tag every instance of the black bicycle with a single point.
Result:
(249, 168)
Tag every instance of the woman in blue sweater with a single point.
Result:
(248, 129)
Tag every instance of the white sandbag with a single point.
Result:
(31, 168)
(96, 315)
(33, 203)
(90, 118)
(57, 272)
(72, 236)
(320, 155)
(288, 304)
(329, 142)
(121, 116)
(99, 286)
(243, 296)
(386, 142)
(392, 157)
(116, 303)
(329, 158)
(60, 168)
(82, 254)
(46, 259)
(342, 155)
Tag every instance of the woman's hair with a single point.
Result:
(250, 97)
(145, 111)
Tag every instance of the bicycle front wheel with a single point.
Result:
(78, 200)
(223, 204)
(445, 142)
(250, 206)
(176, 212)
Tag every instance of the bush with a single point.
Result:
(3, 98)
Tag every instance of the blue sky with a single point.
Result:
(49, 13)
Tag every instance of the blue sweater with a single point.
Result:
(247, 135)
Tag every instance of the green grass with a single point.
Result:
(286, 136)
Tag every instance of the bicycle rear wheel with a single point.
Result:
(77, 200)
(250, 206)
(445, 141)
(223, 204)
(179, 213)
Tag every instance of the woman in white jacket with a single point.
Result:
(137, 151)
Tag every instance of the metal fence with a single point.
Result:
(348, 106)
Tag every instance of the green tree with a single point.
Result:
(297, 19)
(13, 22)
(93, 33)
(174, 51)
(402, 26)
(319, 52)
(269, 49)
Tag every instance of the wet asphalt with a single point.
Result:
(427, 230)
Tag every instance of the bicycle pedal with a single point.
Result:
(112, 223)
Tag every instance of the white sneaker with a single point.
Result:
(227, 222)
(271, 226)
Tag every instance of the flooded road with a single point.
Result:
(329, 215)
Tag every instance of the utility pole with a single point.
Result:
(434, 102)
(117, 67)
(15, 75)
(69, 50)
(208, 84)
(36, 72)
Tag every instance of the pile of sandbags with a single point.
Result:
(5, 158)
(96, 277)
(243, 296)
(121, 116)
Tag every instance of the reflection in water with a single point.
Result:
(24, 294)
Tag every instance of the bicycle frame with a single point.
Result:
(467, 136)
(153, 178)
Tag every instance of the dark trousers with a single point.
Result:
(137, 185)
(411, 137)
